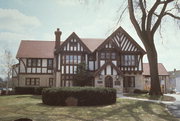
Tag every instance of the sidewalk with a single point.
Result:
(154, 101)
(174, 108)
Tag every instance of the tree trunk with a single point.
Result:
(153, 64)
(7, 84)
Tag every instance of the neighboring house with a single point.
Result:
(175, 79)
(163, 77)
(115, 61)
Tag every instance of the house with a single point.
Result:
(163, 77)
(175, 80)
(115, 61)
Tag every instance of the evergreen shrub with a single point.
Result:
(84, 96)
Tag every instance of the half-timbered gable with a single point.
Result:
(72, 52)
(123, 48)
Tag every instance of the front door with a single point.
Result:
(109, 82)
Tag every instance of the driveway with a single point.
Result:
(175, 107)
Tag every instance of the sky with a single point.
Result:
(38, 19)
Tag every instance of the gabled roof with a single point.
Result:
(73, 35)
(92, 43)
(105, 65)
(36, 49)
(45, 49)
(161, 70)
(123, 41)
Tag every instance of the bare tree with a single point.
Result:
(7, 63)
(147, 17)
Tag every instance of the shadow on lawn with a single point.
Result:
(130, 108)
(121, 109)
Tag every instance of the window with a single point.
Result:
(28, 62)
(50, 82)
(129, 81)
(28, 81)
(50, 63)
(113, 55)
(107, 55)
(79, 59)
(39, 64)
(32, 81)
(102, 55)
(128, 60)
(34, 62)
(72, 59)
(75, 59)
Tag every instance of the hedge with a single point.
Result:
(29, 90)
(138, 91)
(81, 96)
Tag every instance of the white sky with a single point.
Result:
(38, 19)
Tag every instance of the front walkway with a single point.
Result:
(133, 98)
(174, 108)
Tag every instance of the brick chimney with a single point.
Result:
(57, 38)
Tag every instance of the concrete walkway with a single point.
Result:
(154, 101)
(174, 108)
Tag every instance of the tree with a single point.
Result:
(147, 17)
(83, 77)
(7, 63)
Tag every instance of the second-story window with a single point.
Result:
(108, 55)
(128, 60)
(103, 55)
(28, 62)
(50, 63)
(34, 62)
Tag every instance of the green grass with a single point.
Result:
(30, 106)
(147, 96)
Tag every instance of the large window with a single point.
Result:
(108, 55)
(32, 81)
(71, 59)
(128, 60)
(34, 62)
(129, 81)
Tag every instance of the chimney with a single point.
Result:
(58, 38)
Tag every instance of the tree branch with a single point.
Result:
(143, 19)
(133, 19)
(151, 12)
(156, 25)
(172, 15)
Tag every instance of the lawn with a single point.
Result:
(30, 106)
(147, 96)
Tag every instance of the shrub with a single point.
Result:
(38, 90)
(138, 91)
(84, 96)
(29, 90)
(24, 90)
